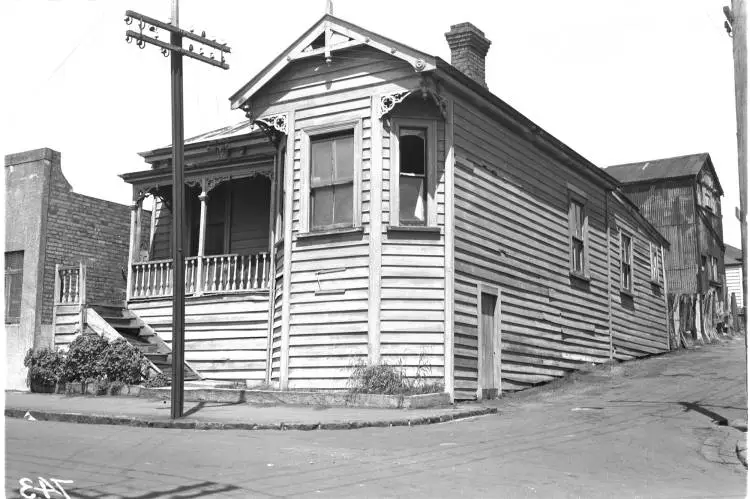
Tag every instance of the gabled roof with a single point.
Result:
(732, 255)
(336, 34)
(662, 169)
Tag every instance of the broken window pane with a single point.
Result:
(412, 150)
(412, 206)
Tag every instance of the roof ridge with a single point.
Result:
(705, 153)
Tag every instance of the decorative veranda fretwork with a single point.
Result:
(206, 182)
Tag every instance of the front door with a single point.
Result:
(489, 377)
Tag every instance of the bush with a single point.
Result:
(158, 381)
(90, 359)
(123, 362)
(386, 379)
(85, 358)
(45, 367)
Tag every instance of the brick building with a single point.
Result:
(47, 224)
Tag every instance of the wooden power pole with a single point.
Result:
(736, 25)
(174, 48)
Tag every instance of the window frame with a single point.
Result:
(430, 125)
(629, 235)
(281, 165)
(307, 135)
(579, 197)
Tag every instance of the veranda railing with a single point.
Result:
(209, 274)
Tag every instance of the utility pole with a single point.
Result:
(174, 48)
(736, 26)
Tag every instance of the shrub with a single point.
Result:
(123, 362)
(85, 358)
(158, 381)
(45, 367)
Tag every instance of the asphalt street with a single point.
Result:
(658, 427)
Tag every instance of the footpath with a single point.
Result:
(135, 411)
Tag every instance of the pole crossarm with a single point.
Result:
(174, 29)
(168, 46)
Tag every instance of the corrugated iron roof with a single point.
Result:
(644, 171)
(240, 128)
(732, 255)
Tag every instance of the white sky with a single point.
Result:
(616, 80)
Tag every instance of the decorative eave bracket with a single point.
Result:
(274, 125)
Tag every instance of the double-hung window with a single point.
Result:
(577, 246)
(626, 262)
(413, 173)
(331, 181)
(578, 223)
(412, 181)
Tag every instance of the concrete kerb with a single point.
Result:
(187, 424)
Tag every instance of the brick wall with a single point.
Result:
(95, 231)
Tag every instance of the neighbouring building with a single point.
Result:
(681, 197)
(379, 204)
(733, 272)
(49, 227)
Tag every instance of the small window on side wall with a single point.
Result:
(578, 233)
(413, 173)
(626, 262)
(412, 149)
(656, 263)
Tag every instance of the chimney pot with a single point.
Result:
(468, 50)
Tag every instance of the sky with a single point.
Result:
(618, 81)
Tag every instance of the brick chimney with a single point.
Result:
(468, 49)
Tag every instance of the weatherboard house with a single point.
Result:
(381, 205)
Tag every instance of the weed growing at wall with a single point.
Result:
(387, 379)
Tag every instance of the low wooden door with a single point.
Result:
(489, 355)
